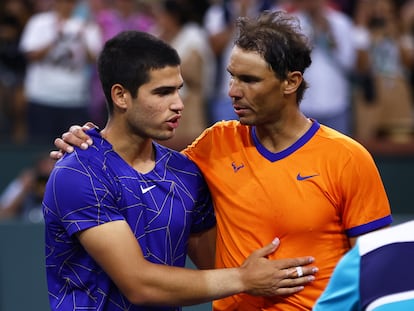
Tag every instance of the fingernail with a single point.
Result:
(275, 241)
(84, 146)
(314, 270)
(89, 142)
(69, 149)
(311, 278)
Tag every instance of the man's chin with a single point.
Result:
(165, 137)
(246, 121)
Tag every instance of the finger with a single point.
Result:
(290, 286)
(267, 250)
(282, 291)
(78, 134)
(296, 282)
(62, 146)
(55, 154)
(90, 125)
(69, 140)
(294, 262)
(74, 128)
(294, 273)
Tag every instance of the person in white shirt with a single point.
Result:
(59, 47)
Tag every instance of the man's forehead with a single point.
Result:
(165, 70)
(249, 61)
(168, 74)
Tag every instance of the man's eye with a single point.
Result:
(164, 92)
(249, 79)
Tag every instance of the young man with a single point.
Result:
(277, 172)
(120, 216)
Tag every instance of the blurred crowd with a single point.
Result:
(361, 78)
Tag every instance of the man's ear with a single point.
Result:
(119, 96)
(292, 82)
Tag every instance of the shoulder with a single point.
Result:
(335, 141)
(396, 234)
(39, 19)
(226, 127)
(43, 16)
(95, 155)
(220, 133)
(174, 159)
(80, 163)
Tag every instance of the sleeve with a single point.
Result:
(81, 195)
(342, 292)
(200, 150)
(365, 204)
(203, 216)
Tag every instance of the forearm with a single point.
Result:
(178, 286)
(114, 247)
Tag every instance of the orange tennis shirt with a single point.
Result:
(313, 196)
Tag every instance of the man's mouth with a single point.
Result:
(173, 122)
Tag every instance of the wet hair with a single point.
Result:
(277, 37)
(129, 57)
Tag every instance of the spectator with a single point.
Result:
(22, 198)
(179, 24)
(14, 15)
(59, 48)
(386, 56)
(328, 100)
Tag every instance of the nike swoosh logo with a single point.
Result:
(299, 177)
(145, 190)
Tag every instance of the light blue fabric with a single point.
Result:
(342, 292)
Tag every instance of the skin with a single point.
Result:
(135, 122)
(260, 98)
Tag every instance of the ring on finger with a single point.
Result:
(299, 271)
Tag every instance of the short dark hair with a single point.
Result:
(128, 58)
(277, 37)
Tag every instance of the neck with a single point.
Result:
(137, 151)
(284, 134)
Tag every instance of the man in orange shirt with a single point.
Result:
(276, 172)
